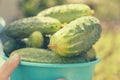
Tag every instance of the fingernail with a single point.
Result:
(15, 57)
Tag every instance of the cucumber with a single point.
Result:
(11, 45)
(24, 27)
(67, 12)
(45, 56)
(35, 40)
(77, 36)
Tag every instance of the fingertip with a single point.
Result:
(15, 57)
(9, 66)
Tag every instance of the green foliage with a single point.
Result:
(108, 49)
(32, 7)
(109, 11)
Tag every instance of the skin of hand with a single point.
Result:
(8, 67)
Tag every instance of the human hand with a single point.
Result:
(8, 67)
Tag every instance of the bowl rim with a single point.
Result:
(23, 63)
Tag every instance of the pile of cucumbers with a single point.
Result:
(60, 34)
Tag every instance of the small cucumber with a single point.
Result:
(35, 40)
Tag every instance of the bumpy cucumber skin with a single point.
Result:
(35, 40)
(45, 56)
(79, 35)
(24, 27)
(67, 13)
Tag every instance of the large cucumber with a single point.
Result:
(46, 56)
(67, 12)
(24, 27)
(79, 35)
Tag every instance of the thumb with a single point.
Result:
(9, 66)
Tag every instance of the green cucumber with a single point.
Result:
(35, 40)
(79, 35)
(45, 56)
(67, 12)
(11, 45)
(24, 27)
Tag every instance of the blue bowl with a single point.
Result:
(42, 71)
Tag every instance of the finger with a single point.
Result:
(10, 65)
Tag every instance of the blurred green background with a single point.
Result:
(108, 47)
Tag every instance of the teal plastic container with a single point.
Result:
(41, 71)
